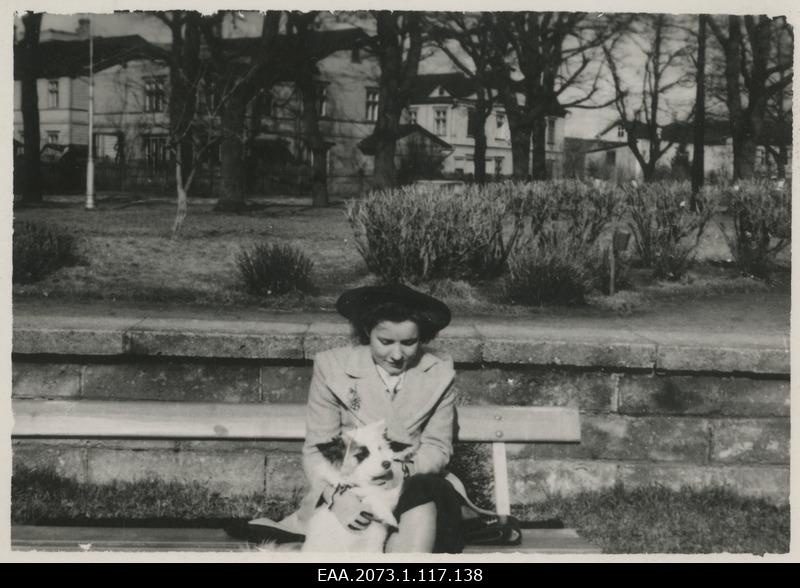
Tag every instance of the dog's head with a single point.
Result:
(372, 457)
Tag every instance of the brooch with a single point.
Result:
(355, 399)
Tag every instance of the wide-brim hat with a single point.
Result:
(355, 302)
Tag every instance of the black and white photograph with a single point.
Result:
(311, 282)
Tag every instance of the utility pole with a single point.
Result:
(90, 158)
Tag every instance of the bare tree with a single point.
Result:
(755, 72)
(398, 47)
(698, 157)
(32, 189)
(473, 35)
(238, 79)
(544, 64)
(642, 105)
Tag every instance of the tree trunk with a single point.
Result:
(698, 157)
(520, 150)
(480, 152)
(319, 149)
(539, 167)
(31, 187)
(183, 203)
(231, 197)
(385, 175)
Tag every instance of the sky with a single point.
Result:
(579, 123)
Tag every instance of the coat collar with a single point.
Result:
(361, 365)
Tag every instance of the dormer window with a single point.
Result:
(620, 132)
(441, 91)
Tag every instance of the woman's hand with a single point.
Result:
(350, 511)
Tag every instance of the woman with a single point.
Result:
(389, 376)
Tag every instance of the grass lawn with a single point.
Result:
(619, 520)
(129, 257)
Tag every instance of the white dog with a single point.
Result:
(372, 469)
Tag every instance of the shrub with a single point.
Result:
(665, 231)
(269, 269)
(552, 268)
(762, 224)
(420, 233)
(39, 250)
(588, 207)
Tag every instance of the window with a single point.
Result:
(440, 121)
(52, 94)
(501, 132)
(154, 99)
(322, 105)
(611, 158)
(498, 166)
(372, 104)
(551, 131)
(620, 132)
(355, 55)
(412, 116)
(52, 137)
(472, 123)
(155, 151)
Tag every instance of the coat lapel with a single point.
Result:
(419, 392)
(364, 393)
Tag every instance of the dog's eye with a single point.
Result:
(397, 447)
(361, 454)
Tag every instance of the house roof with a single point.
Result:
(368, 145)
(580, 145)
(717, 132)
(455, 84)
(322, 43)
(71, 58)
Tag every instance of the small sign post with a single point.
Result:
(619, 243)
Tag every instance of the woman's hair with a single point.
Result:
(368, 319)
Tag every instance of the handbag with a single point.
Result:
(485, 527)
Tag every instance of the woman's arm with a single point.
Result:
(323, 425)
(436, 440)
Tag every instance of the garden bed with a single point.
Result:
(129, 258)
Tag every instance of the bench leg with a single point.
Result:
(502, 497)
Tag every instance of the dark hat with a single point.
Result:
(354, 302)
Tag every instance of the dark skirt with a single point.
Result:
(423, 488)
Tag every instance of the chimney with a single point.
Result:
(83, 28)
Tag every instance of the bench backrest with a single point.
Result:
(188, 420)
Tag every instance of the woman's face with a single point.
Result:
(394, 346)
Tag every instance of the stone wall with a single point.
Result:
(655, 408)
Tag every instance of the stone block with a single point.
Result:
(285, 478)
(226, 473)
(623, 438)
(324, 335)
(71, 335)
(703, 395)
(224, 339)
(463, 343)
(533, 481)
(540, 346)
(761, 441)
(757, 360)
(589, 391)
(45, 380)
(768, 482)
(285, 384)
(196, 382)
(65, 458)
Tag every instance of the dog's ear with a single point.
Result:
(398, 446)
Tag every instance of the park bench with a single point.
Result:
(497, 425)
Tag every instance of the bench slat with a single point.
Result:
(27, 537)
(187, 420)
